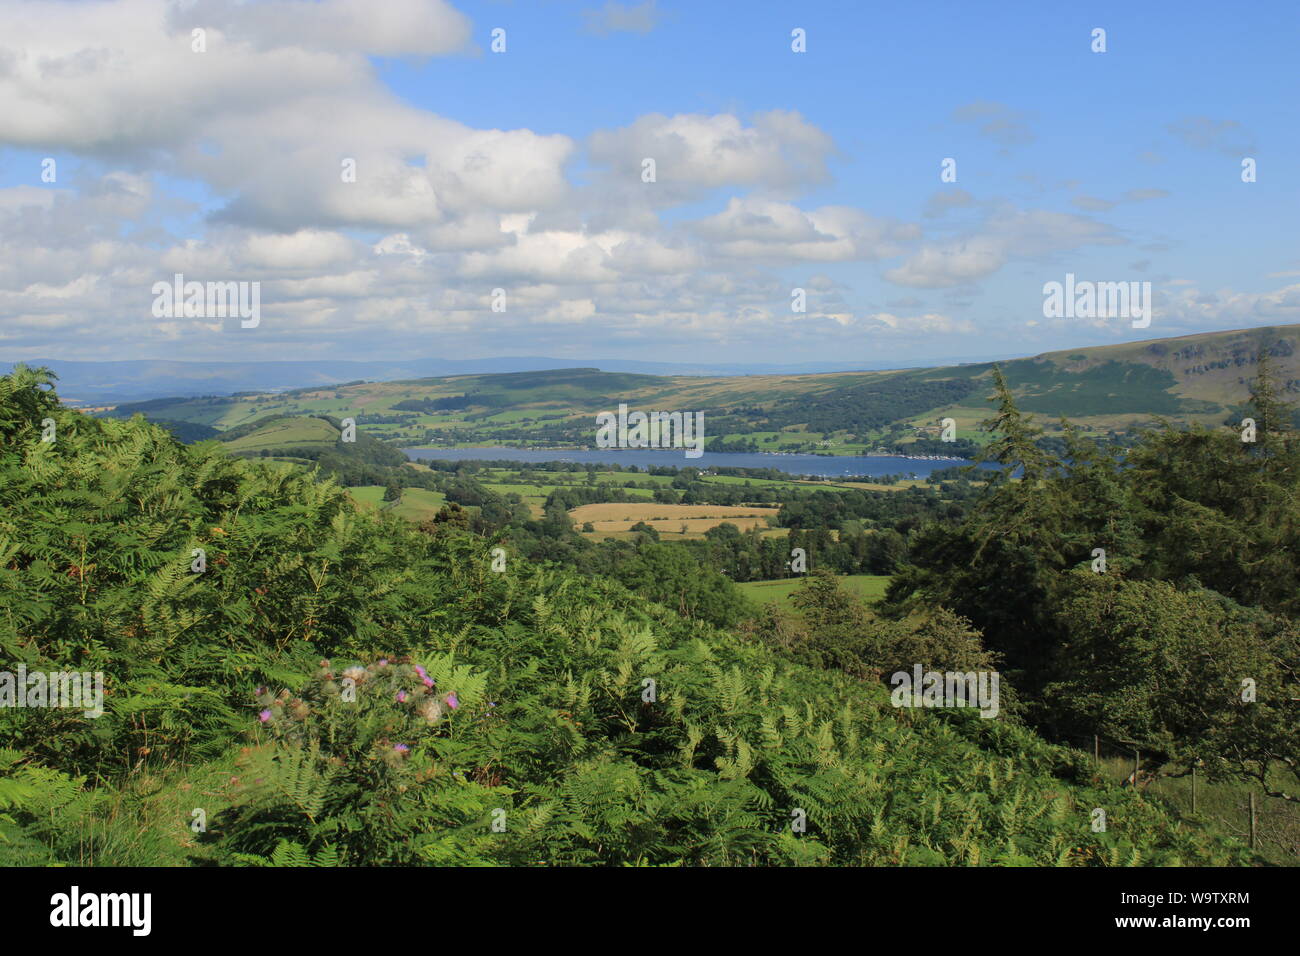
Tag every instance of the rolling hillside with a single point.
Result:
(1197, 378)
(287, 433)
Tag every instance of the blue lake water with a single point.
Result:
(821, 466)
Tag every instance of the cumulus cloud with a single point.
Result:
(375, 225)
(1186, 306)
(407, 27)
(753, 228)
(272, 113)
(927, 323)
(951, 264)
(695, 152)
(1007, 234)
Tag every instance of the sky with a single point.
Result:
(128, 155)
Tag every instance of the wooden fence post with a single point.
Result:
(1252, 819)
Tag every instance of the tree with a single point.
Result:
(393, 492)
(1273, 415)
(940, 641)
(668, 574)
(838, 627)
(476, 693)
(450, 515)
(1016, 447)
(1161, 669)
(999, 567)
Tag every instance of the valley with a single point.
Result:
(1105, 391)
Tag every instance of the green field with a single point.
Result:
(290, 433)
(868, 587)
(416, 505)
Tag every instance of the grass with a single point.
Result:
(1226, 807)
(289, 433)
(1191, 378)
(868, 587)
(669, 519)
(752, 482)
(901, 485)
(417, 504)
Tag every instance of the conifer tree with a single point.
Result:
(1016, 448)
(1273, 418)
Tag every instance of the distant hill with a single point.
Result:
(317, 441)
(105, 383)
(1197, 378)
(281, 435)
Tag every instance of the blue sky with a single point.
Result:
(777, 170)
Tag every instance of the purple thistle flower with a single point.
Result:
(264, 716)
(401, 697)
(401, 748)
(452, 701)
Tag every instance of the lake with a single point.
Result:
(822, 467)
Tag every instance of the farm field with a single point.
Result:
(416, 505)
(901, 485)
(620, 516)
(868, 587)
(288, 433)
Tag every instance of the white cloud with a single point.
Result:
(268, 114)
(256, 131)
(1008, 233)
(407, 27)
(928, 323)
(950, 264)
(754, 228)
(695, 152)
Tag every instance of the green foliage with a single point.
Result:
(670, 576)
(1131, 599)
(589, 726)
(833, 628)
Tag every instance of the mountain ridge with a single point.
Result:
(1201, 378)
